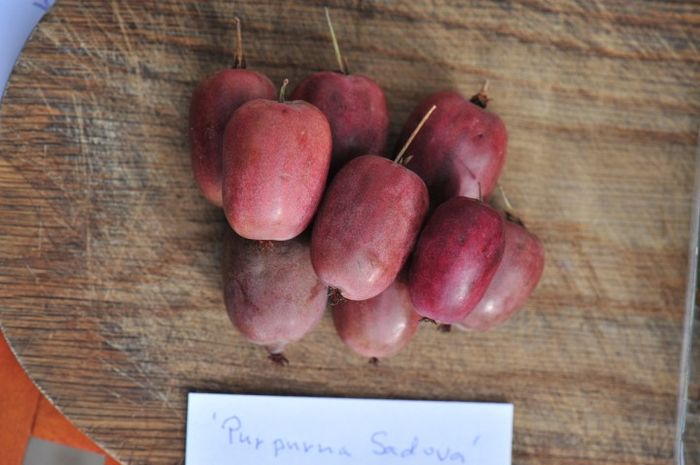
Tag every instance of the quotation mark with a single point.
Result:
(45, 5)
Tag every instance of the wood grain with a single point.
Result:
(110, 289)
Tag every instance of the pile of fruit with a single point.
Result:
(319, 212)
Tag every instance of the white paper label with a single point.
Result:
(263, 430)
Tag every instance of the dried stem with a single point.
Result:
(238, 56)
(481, 99)
(278, 359)
(335, 297)
(342, 64)
(266, 246)
(283, 89)
(510, 216)
(507, 203)
(413, 134)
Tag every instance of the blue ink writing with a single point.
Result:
(45, 5)
(324, 449)
(234, 420)
(278, 447)
(233, 425)
(292, 445)
(381, 446)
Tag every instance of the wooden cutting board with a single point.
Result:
(110, 288)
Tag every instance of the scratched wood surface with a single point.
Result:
(110, 290)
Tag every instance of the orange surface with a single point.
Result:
(24, 412)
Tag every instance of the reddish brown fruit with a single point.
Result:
(272, 294)
(356, 110)
(515, 279)
(379, 327)
(461, 147)
(455, 259)
(354, 105)
(213, 102)
(367, 225)
(276, 157)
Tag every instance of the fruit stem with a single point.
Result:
(238, 56)
(514, 219)
(481, 99)
(266, 246)
(510, 216)
(509, 206)
(413, 134)
(338, 56)
(335, 297)
(374, 361)
(278, 359)
(283, 89)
